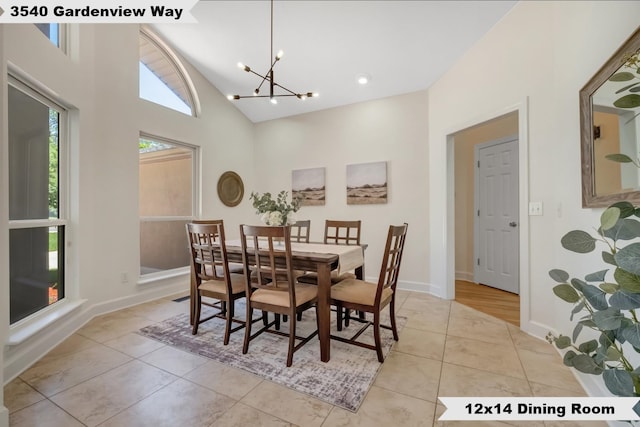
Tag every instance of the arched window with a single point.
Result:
(163, 79)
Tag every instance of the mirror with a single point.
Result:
(610, 129)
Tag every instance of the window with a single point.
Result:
(163, 80)
(54, 32)
(37, 214)
(167, 203)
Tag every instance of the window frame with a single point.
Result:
(62, 220)
(173, 59)
(195, 204)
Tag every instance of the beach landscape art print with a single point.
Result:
(367, 183)
(308, 185)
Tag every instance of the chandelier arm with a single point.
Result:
(268, 73)
(282, 87)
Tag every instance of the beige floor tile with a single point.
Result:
(543, 390)
(158, 310)
(434, 319)
(548, 369)
(423, 302)
(410, 375)
(73, 344)
(243, 415)
(421, 343)
(462, 381)
(52, 375)
(134, 345)
(104, 396)
(18, 395)
(286, 404)
(172, 360)
(224, 379)
(460, 310)
(500, 359)
(113, 325)
(524, 341)
(466, 324)
(42, 414)
(385, 408)
(180, 403)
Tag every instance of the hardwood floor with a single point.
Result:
(492, 301)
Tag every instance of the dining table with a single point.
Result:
(321, 258)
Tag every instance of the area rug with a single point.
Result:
(343, 381)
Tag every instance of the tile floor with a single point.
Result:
(106, 375)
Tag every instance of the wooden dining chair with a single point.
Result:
(211, 276)
(275, 289)
(234, 267)
(337, 233)
(372, 298)
(300, 231)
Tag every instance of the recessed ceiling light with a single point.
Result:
(363, 78)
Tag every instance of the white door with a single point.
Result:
(496, 205)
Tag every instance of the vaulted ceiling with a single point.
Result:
(404, 46)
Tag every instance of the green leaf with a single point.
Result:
(626, 208)
(578, 284)
(609, 288)
(578, 241)
(628, 258)
(608, 320)
(595, 296)
(621, 77)
(598, 276)
(576, 309)
(559, 276)
(627, 281)
(625, 229)
(588, 347)
(608, 258)
(623, 300)
(619, 382)
(619, 336)
(568, 357)
(562, 342)
(607, 338)
(576, 331)
(627, 87)
(566, 293)
(613, 354)
(628, 101)
(584, 363)
(618, 157)
(632, 334)
(609, 218)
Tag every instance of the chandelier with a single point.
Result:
(268, 77)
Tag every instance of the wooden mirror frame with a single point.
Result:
(589, 197)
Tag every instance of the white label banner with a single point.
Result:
(541, 408)
(96, 11)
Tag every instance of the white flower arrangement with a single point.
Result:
(275, 212)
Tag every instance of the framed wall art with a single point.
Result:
(309, 186)
(367, 183)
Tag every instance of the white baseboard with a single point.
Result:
(18, 358)
(4, 416)
(422, 287)
(464, 275)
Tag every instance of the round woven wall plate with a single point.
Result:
(230, 188)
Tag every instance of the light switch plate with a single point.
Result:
(535, 208)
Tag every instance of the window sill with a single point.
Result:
(25, 329)
(168, 274)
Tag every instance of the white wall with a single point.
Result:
(4, 232)
(392, 130)
(98, 81)
(543, 52)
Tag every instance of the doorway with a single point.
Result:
(469, 270)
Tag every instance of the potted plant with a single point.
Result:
(606, 301)
(275, 212)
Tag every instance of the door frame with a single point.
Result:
(523, 194)
(476, 199)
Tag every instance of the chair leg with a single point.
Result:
(376, 335)
(339, 316)
(347, 315)
(277, 316)
(300, 316)
(265, 318)
(292, 340)
(392, 314)
(247, 329)
(229, 318)
(196, 316)
(284, 318)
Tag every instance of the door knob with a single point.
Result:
(513, 224)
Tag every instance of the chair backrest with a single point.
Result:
(208, 251)
(267, 250)
(300, 231)
(392, 258)
(342, 232)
